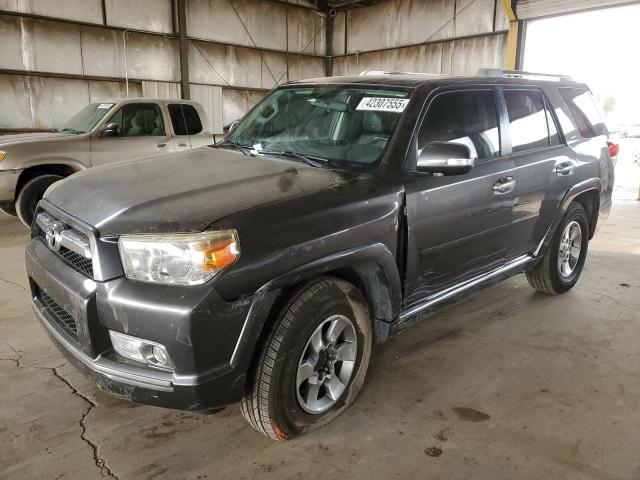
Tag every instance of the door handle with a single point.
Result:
(161, 145)
(182, 144)
(504, 186)
(564, 168)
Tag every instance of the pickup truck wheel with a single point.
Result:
(563, 261)
(30, 195)
(313, 363)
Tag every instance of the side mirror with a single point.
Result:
(445, 158)
(110, 130)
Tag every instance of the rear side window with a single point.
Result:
(465, 117)
(527, 120)
(185, 119)
(584, 111)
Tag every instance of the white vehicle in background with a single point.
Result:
(619, 131)
(633, 131)
(100, 133)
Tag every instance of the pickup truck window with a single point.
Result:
(467, 117)
(185, 119)
(87, 118)
(343, 123)
(138, 119)
(584, 111)
(527, 120)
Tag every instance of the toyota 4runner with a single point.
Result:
(337, 212)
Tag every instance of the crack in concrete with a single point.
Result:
(17, 359)
(101, 463)
(15, 284)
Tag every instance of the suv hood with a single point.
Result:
(31, 137)
(183, 192)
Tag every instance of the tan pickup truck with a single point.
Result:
(99, 134)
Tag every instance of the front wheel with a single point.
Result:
(313, 363)
(563, 261)
(30, 195)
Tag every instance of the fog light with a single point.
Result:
(140, 350)
(159, 355)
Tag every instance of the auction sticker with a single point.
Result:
(105, 105)
(382, 104)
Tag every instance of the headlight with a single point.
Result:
(180, 259)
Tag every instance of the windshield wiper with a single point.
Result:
(318, 162)
(243, 148)
(72, 130)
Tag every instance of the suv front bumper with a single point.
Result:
(204, 334)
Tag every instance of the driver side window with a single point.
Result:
(138, 119)
(466, 117)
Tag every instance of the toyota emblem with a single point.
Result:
(52, 235)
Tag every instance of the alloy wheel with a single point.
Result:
(326, 364)
(569, 249)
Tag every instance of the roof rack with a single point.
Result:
(499, 72)
(384, 72)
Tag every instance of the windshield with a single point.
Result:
(87, 118)
(347, 124)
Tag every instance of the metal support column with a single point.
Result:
(184, 48)
(522, 35)
(515, 41)
(328, 59)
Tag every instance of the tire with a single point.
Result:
(555, 274)
(275, 400)
(30, 195)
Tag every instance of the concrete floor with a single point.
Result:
(509, 384)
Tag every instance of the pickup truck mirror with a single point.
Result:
(445, 158)
(110, 130)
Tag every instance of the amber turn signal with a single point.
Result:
(220, 253)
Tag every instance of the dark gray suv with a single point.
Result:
(337, 212)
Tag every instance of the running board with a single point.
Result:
(461, 288)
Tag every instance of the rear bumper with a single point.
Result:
(204, 335)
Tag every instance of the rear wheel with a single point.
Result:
(30, 195)
(313, 363)
(563, 261)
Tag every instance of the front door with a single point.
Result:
(457, 224)
(141, 132)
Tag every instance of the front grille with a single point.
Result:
(62, 318)
(75, 260)
(81, 264)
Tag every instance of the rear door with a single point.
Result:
(188, 127)
(457, 224)
(141, 133)
(543, 166)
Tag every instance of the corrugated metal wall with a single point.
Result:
(437, 36)
(59, 55)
